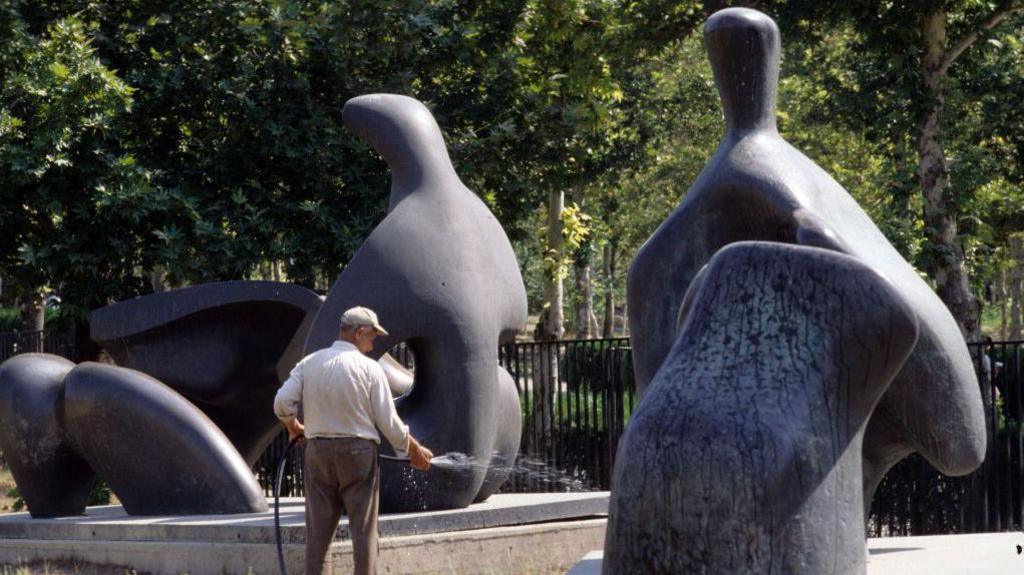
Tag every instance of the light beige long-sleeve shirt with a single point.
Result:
(343, 394)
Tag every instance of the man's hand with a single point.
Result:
(419, 456)
(296, 431)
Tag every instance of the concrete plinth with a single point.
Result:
(976, 554)
(510, 533)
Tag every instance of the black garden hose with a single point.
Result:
(277, 504)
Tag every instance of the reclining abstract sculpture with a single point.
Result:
(213, 348)
(53, 480)
(158, 452)
(744, 455)
(442, 276)
(758, 187)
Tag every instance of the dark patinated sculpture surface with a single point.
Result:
(52, 479)
(219, 345)
(158, 452)
(744, 454)
(442, 276)
(758, 187)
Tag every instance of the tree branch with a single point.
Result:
(970, 38)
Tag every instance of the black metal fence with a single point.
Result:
(16, 342)
(914, 499)
(578, 395)
(576, 398)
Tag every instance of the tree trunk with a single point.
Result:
(33, 319)
(33, 312)
(552, 319)
(586, 321)
(609, 293)
(550, 327)
(945, 257)
(157, 279)
(1002, 298)
(1016, 288)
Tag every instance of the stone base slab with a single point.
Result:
(542, 549)
(511, 533)
(974, 554)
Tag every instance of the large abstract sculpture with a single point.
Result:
(216, 348)
(758, 187)
(53, 480)
(442, 276)
(744, 455)
(158, 452)
(176, 425)
(217, 344)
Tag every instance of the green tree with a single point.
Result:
(59, 155)
(910, 83)
(236, 107)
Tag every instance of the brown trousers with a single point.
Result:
(341, 472)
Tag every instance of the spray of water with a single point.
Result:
(525, 469)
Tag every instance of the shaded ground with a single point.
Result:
(7, 499)
(74, 568)
(64, 568)
(10, 502)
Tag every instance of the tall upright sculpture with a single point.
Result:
(744, 455)
(442, 276)
(758, 187)
(198, 367)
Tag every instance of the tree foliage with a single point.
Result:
(63, 164)
(198, 140)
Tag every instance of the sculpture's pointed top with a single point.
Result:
(743, 46)
(387, 122)
(405, 133)
(741, 18)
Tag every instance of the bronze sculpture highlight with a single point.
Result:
(214, 348)
(158, 452)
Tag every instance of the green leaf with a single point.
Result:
(59, 70)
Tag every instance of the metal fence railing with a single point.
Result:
(914, 499)
(577, 396)
(17, 342)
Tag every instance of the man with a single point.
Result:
(345, 399)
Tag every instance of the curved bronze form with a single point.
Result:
(219, 345)
(758, 187)
(442, 276)
(744, 455)
(158, 452)
(52, 479)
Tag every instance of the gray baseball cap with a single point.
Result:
(360, 316)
